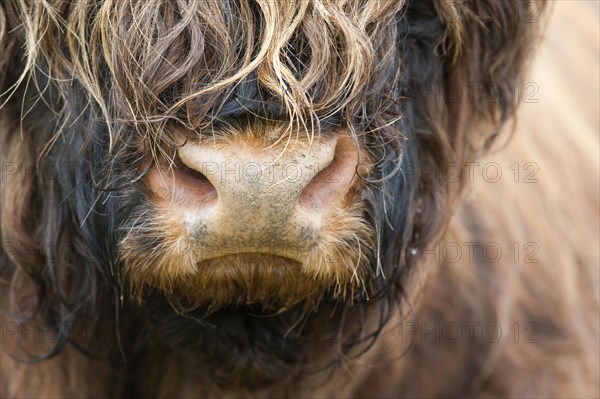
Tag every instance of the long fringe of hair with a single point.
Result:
(96, 86)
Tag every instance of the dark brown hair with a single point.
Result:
(96, 87)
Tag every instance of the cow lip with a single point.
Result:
(251, 257)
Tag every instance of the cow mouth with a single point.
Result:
(160, 256)
(253, 278)
(244, 258)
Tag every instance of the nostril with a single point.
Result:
(193, 186)
(182, 184)
(335, 180)
(189, 173)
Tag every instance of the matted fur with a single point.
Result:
(91, 93)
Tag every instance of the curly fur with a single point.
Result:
(101, 91)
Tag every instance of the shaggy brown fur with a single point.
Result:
(441, 285)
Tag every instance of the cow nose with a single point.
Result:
(247, 179)
(248, 196)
